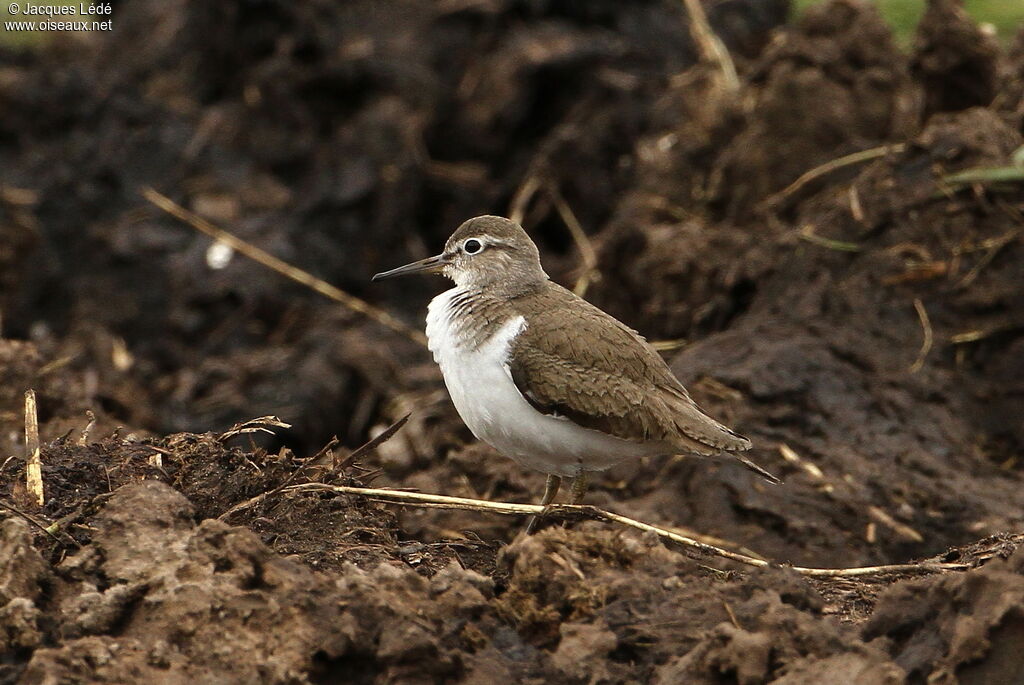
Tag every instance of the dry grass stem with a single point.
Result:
(926, 343)
(968, 336)
(583, 244)
(975, 335)
(371, 445)
(732, 615)
(669, 345)
(517, 212)
(284, 268)
(807, 233)
(521, 200)
(992, 247)
(83, 439)
(710, 47)
(856, 208)
(901, 529)
(422, 499)
(832, 165)
(33, 466)
(32, 521)
(261, 424)
(791, 455)
(713, 540)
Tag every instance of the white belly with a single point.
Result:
(481, 387)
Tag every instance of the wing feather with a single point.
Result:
(573, 360)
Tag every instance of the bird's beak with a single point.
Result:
(429, 265)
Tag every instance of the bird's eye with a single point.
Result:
(472, 246)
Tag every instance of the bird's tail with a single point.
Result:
(756, 469)
(700, 434)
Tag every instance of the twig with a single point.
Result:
(517, 212)
(732, 616)
(793, 457)
(993, 247)
(320, 458)
(926, 344)
(261, 424)
(31, 519)
(971, 336)
(583, 244)
(902, 529)
(525, 193)
(247, 503)
(282, 267)
(83, 439)
(713, 540)
(33, 467)
(832, 165)
(66, 520)
(508, 508)
(360, 452)
(710, 47)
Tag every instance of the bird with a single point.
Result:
(548, 379)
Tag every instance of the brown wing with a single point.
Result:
(597, 372)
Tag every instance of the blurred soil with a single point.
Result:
(864, 326)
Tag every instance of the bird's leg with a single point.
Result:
(550, 490)
(579, 488)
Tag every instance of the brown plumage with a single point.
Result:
(575, 360)
(567, 359)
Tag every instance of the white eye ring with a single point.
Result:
(472, 246)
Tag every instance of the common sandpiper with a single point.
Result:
(545, 377)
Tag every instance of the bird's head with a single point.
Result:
(484, 252)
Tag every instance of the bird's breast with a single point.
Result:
(466, 320)
(475, 363)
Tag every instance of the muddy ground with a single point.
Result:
(863, 326)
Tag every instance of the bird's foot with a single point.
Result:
(579, 488)
(550, 490)
(535, 521)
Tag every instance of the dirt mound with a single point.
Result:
(955, 61)
(154, 591)
(139, 581)
(157, 593)
(861, 322)
(831, 345)
(64, 377)
(934, 640)
(833, 85)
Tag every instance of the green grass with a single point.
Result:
(1007, 16)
